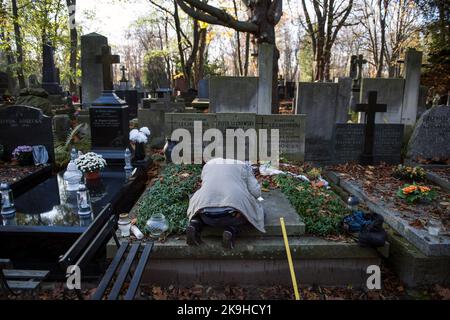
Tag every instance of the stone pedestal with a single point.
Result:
(265, 70)
(109, 121)
(413, 65)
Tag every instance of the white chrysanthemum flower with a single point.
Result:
(145, 131)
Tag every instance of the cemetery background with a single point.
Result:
(313, 124)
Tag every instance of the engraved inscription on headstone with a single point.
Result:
(348, 143)
(431, 136)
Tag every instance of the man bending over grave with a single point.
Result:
(227, 199)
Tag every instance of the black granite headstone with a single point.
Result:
(22, 125)
(348, 143)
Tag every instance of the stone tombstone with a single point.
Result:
(290, 90)
(203, 89)
(348, 143)
(412, 74)
(233, 94)
(109, 115)
(390, 92)
(49, 71)
(164, 94)
(291, 128)
(431, 136)
(132, 99)
(291, 133)
(174, 121)
(22, 125)
(92, 73)
(155, 121)
(61, 127)
(319, 102)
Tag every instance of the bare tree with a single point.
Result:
(264, 16)
(329, 18)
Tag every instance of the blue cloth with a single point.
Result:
(356, 221)
(40, 155)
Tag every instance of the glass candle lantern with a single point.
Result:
(157, 225)
(8, 207)
(72, 177)
(124, 224)
(353, 204)
(128, 166)
(84, 201)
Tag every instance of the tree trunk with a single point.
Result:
(267, 35)
(179, 40)
(247, 53)
(238, 40)
(73, 46)
(193, 55)
(19, 48)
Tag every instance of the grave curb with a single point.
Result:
(258, 261)
(391, 218)
(441, 182)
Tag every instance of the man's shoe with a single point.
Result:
(193, 236)
(228, 240)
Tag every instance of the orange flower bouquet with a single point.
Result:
(413, 193)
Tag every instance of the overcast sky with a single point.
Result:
(112, 18)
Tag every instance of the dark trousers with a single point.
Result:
(230, 222)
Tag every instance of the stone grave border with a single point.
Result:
(393, 218)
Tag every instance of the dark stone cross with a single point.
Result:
(124, 78)
(107, 60)
(370, 109)
(360, 62)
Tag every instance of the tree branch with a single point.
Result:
(214, 15)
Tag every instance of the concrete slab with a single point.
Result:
(276, 205)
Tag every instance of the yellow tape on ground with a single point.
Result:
(289, 257)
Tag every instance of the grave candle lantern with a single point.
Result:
(7, 200)
(353, 203)
(84, 201)
(128, 166)
(124, 224)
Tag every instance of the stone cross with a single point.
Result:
(124, 78)
(360, 62)
(370, 109)
(353, 67)
(107, 60)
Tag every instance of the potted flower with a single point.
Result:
(90, 164)
(24, 155)
(139, 139)
(413, 193)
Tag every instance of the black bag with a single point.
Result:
(373, 234)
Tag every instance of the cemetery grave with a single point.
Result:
(107, 161)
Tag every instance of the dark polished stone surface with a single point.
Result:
(50, 208)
